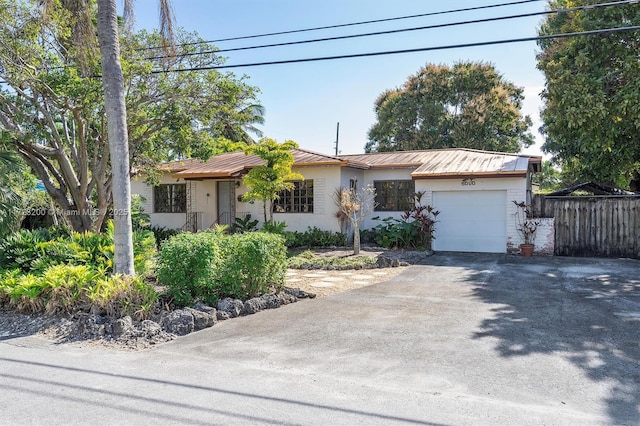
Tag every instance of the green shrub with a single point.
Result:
(414, 229)
(121, 295)
(26, 294)
(144, 251)
(64, 287)
(162, 234)
(187, 266)
(315, 237)
(208, 266)
(309, 260)
(139, 218)
(70, 288)
(244, 224)
(251, 264)
(274, 227)
(20, 249)
(34, 251)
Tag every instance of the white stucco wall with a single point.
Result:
(516, 188)
(326, 179)
(348, 173)
(167, 220)
(369, 177)
(545, 236)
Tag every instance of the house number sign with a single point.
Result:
(468, 182)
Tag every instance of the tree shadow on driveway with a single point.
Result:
(584, 310)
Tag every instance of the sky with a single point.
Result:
(304, 101)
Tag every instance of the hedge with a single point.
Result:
(208, 266)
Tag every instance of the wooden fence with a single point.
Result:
(598, 226)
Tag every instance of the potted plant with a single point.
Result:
(527, 228)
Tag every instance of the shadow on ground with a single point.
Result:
(587, 310)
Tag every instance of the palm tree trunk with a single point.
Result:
(115, 109)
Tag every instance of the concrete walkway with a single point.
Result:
(465, 339)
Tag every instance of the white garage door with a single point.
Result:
(472, 221)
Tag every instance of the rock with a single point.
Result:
(122, 326)
(387, 262)
(404, 264)
(204, 308)
(222, 315)
(201, 319)
(233, 307)
(179, 322)
(150, 329)
(87, 326)
(298, 294)
(286, 298)
(272, 301)
(254, 305)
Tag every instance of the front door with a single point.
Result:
(226, 202)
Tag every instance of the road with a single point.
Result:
(463, 339)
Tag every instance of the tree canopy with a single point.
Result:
(591, 114)
(468, 105)
(265, 182)
(52, 107)
(15, 184)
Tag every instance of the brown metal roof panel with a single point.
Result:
(307, 157)
(179, 165)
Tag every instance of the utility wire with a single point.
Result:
(394, 52)
(443, 12)
(428, 27)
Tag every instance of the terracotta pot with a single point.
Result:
(526, 250)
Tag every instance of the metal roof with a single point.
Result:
(235, 164)
(179, 165)
(426, 164)
(451, 162)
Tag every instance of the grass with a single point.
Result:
(310, 260)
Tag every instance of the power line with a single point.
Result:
(394, 52)
(450, 24)
(443, 12)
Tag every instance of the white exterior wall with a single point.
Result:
(167, 220)
(545, 236)
(348, 173)
(326, 179)
(385, 174)
(204, 200)
(516, 188)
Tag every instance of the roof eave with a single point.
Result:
(450, 175)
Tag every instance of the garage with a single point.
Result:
(472, 221)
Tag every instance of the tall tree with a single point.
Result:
(267, 181)
(116, 114)
(468, 105)
(55, 119)
(591, 111)
(10, 201)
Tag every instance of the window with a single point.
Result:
(170, 198)
(394, 195)
(299, 200)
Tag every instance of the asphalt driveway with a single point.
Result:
(464, 339)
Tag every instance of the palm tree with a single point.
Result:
(243, 124)
(115, 108)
